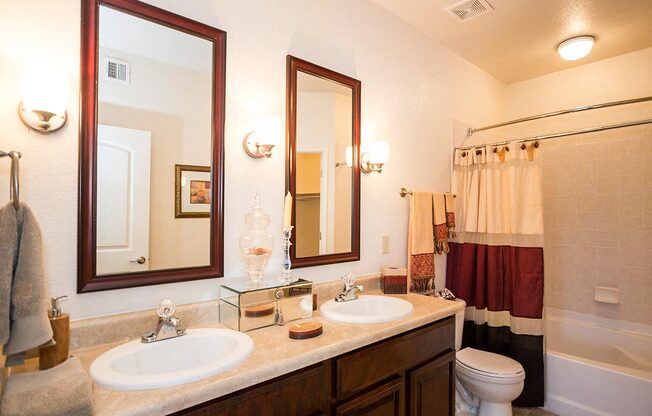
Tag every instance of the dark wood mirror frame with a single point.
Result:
(87, 280)
(295, 65)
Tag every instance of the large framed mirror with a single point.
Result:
(323, 164)
(151, 147)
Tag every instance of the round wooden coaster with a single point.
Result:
(305, 330)
(260, 310)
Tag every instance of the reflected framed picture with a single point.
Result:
(192, 193)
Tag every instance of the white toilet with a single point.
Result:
(486, 382)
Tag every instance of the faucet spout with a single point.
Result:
(350, 291)
(168, 325)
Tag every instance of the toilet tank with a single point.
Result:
(459, 325)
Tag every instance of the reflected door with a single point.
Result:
(123, 177)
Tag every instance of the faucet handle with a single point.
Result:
(348, 279)
(166, 308)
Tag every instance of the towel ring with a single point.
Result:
(14, 187)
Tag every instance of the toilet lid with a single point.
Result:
(488, 362)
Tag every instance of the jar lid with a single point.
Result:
(257, 216)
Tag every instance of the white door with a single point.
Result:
(123, 182)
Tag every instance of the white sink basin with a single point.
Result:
(198, 354)
(369, 309)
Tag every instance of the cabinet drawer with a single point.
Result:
(302, 393)
(386, 400)
(369, 365)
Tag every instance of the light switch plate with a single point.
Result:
(385, 244)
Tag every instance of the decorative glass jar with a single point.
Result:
(256, 243)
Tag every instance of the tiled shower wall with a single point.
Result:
(597, 196)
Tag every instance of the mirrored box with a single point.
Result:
(244, 308)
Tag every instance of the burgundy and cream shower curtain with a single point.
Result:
(496, 262)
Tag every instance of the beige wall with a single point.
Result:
(412, 89)
(597, 187)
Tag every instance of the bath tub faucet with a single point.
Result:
(168, 325)
(350, 291)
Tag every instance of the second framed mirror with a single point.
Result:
(323, 164)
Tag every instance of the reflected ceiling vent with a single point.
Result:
(467, 10)
(116, 70)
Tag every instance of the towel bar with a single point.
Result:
(403, 192)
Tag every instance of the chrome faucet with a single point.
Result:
(168, 325)
(351, 290)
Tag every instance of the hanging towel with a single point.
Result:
(441, 230)
(421, 247)
(62, 390)
(8, 247)
(28, 325)
(450, 214)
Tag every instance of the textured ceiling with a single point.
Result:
(518, 39)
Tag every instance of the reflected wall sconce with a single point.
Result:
(260, 142)
(44, 95)
(374, 158)
(348, 157)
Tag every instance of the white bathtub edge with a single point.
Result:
(562, 406)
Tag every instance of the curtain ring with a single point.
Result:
(523, 146)
(463, 154)
(536, 145)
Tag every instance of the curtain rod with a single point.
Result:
(470, 131)
(563, 134)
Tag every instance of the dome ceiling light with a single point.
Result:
(576, 48)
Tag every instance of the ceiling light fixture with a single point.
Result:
(576, 48)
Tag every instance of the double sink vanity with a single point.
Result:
(378, 354)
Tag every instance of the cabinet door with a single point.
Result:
(432, 387)
(302, 393)
(386, 400)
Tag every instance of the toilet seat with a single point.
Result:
(490, 367)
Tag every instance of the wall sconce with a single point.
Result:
(44, 94)
(348, 157)
(373, 159)
(260, 142)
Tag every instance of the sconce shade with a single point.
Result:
(378, 152)
(269, 131)
(348, 156)
(44, 92)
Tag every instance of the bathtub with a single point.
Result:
(596, 366)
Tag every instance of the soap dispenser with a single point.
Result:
(53, 355)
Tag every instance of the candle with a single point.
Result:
(287, 217)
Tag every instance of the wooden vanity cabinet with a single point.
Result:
(410, 374)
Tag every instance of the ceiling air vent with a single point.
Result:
(467, 10)
(117, 70)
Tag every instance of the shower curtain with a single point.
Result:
(496, 262)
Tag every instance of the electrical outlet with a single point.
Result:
(385, 244)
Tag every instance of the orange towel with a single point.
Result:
(421, 247)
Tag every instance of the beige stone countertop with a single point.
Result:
(275, 354)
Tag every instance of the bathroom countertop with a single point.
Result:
(275, 355)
